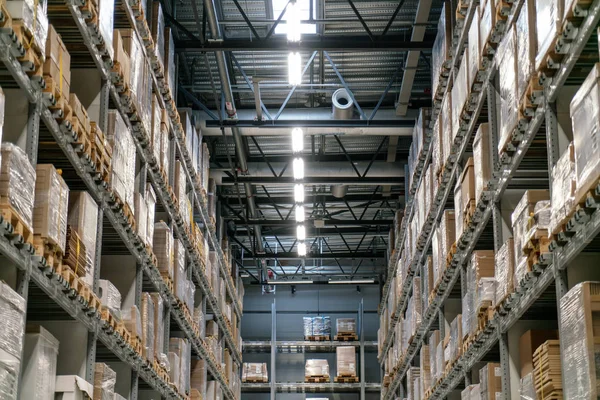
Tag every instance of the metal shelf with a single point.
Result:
(301, 387)
(302, 346)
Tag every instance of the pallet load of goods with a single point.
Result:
(346, 329)
(316, 371)
(346, 365)
(317, 328)
(255, 373)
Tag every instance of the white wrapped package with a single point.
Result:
(123, 158)
(51, 205)
(507, 67)
(460, 90)
(526, 47)
(159, 327)
(412, 383)
(585, 117)
(158, 32)
(150, 206)
(35, 22)
(420, 131)
(132, 320)
(425, 376)
(110, 297)
(106, 11)
(346, 360)
(504, 271)
(473, 49)
(170, 72)
(174, 373)
(147, 317)
(549, 20)
(156, 131)
(563, 189)
(440, 54)
(39, 364)
(315, 367)
(179, 276)
(17, 182)
(12, 312)
(527, 388)
(140, 82)
(205, 166)
(83, 218)
(252, 372)
(482, 160)
(105, 380)
(437, 161)
(163, 250)
(487, 22)
(446, 127)
(141, 216)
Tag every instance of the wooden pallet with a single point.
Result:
(151, 255)
(469, 212)
(168, 281)
(346, 337)
(318, 338)
(87, 293)
(450, 255)
(48, 249)
(106, 316)
(255, 380)
(135, 343)
(346, 379)
(6, 19)
(33, 57)
(503, 9)
(484, 315)
(317, 379)
(22, 232)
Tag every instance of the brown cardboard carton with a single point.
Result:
(528, 343)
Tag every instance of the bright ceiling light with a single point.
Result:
(299, 213)
(292, 19)
(302, 249)
(299, 193)
(295, 68)
(300, 232)
(297, 140)
(298, 168)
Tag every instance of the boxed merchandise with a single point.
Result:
(51, 206)
(179, 186)
(414, 309)
(163, 249)
(528, 344)
(487, 22)
(428, 284)
(204, 164)
(121, 57)
(12, 312)
(585, 117)
(110, 297)
(147, 318)
(17, 183)
(57, 65)
(437, 160)
(40, 357)
(444, 237)
(211, 390)
(460, 91)
(150, 206)
(212, 328)
(316, 368)
(175, 365)
(549, 14)
(509, 105)
(75, 253)
(182, 348)
(504, 271)
(420, 132)
(578, 327)
(83, 219)
(412, 383)
(563, 189)
(195, 394)
(159, 326)
(455, 342)
(80, 114)
(473, 49)
(525, 31)
(106, 11)
(490, 382)
(170, 72)
(132, 320)
(317, 326)
(158, 33)
(442, 47)
(34, 22)
(196, 154)
(467, 185)
(122, 177)
(140, 209)
(446, 128)
(527, 387)
(482, 160)
(345, 326)
(157, 131)
(72, 387)
(345, 360)
(164, 143)
(104, 382)
(433, 343)
(425, 375)
(548, 375)
(198, 374)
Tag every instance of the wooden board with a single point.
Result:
(317, 379)
(21, 230)
(318, 338)
(346, 337)
(346, 379)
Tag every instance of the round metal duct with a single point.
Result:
(343, 106)
(339, 191)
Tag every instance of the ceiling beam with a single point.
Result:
(327, 222)
(308, 43)
(317, 180)
(313, 123)
(325, 256)
(309, 199)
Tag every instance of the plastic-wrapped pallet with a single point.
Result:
(314, 367)
(72, 387)
(527, 388)
(163, 249)
(425, 373)
(12, 312)
(446, 128)
(490, 382)
(428, 283)
(487, 22)
(444, 237)
(133, 320)
(441, 52)
(549, 15)
(83, 218)
(140, 209)
(466, 393)
(58, 64)
(525, 31)
(412, 383)
(420, 133)
(174, 372)
(158, 33)
(170, 73)
(205, 162)
(475, 392)
(119, 397)
(307, 326)
(40, 357)
(469, 317)
(17, 182)
(414, 309)
(147, 318)
(482, 159)
(123, 157)
(156, 131)
(179, 186)
(440, 360)
(455, 342)
(459, 94)
(110, 297)
(51, 206)
(345, 325)
(150, 206)
(159, 328)
(507, 66)
(345, 360)
(211, 390)
(585, 117)
(473, 49)
(121, 57)
(485, 293)
(504, 271)
(181, 347)
(563, 189)
(106, 11)
(104, 382)
(196, 154)
(35, 22)
(436, 150)
(198, 374)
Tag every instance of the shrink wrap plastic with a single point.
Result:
(527, 388)
(182, 348)
(429, 190)
(158, 32)
(255, 371)
(83, 218)
(526, 46)
(314, 326)
(199, 319)
(475, 393)
(434, 339)
(446, 236)
(482, 159)
(12, 312)
(174, 372)
(51, 205)
(123, 158)
(133, 320)
(106, 11)
(436, 256)
(440, 53)
(414, 309)
(345, 325)
(17, 182)
(504, 270)
(163, 250)
(179, 269)
(469, 320)
(180, 185)
(487, 22)
(419, 132)
(436, 152)
(473, 49)
(147, 316)
(412, 381)
(141, 216)
(455, 342)
(36, 22)
(490, 382)
(440, 357)
(315, 367)
(460, 214)
(110, 297)
(549, 20)
(346, 360)
(151, 205)
(139, 79)
(170, 61)
(446, 127)
(104, 382)
(563, 189)
(164, 144)
(466, 393)
(189, 295)
(507, 66)
(159, 327)
(425, 368)
(196, 154)
(585, 117)
(156, 130)
(39, 365)
(459, 94)
(428, 283)
(578, 343)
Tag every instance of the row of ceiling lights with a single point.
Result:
(293, 22)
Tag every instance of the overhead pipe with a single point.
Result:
(232, 114)
(342, 104)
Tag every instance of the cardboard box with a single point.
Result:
(482, 159)
(105, 380)
(525, 30)
(490, 381)
(507, 67)
(73, 387)
(345, 360)
(315, 367)
(147, 315)
(40, 357)
(17, 182)
(83, 218)
(51, 206)
(549, 14)
(197, 374)
(58, 63)
(121, 56)
(528, 344)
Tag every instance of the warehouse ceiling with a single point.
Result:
(379, 50)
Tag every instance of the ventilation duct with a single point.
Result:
(339, 191)
(343, 106)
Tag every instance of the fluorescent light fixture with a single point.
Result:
(300, 232)
(301, 249)
(298, 166)
(299, 193)
(354, 282)
(297, 140)
(295, 68)
(293, 15)
(300, 282)
(299, 213)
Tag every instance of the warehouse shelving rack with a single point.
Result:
(584, 225)
(34, 268)
(303, 346)
(312, 387)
